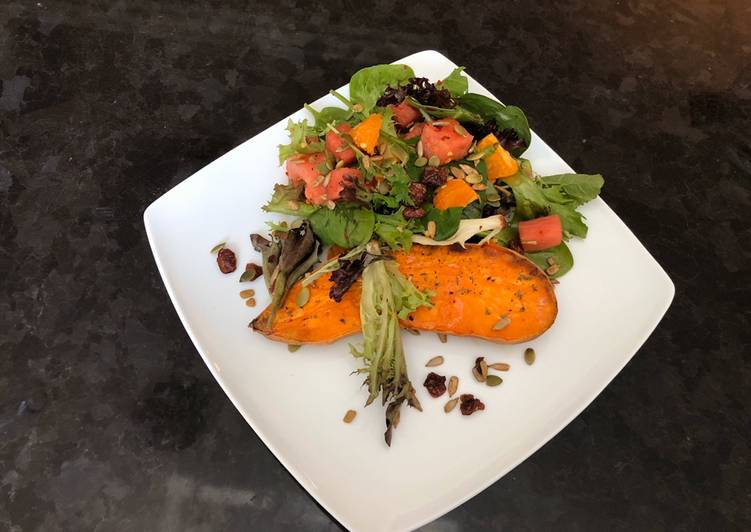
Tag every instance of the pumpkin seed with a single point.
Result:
(329, 165)
(552, 270)
(293, 348)
(443, 338)
(245, 294)
(529, 356)
(449, 406)
(502, 323)
(479, 186)
(434, 160)
(459, 129)
(365, 162)
(457, 172)
(421, 161)
(435, 361)
(473, 179)
(493, 380)
(500, 366)
(476, 156)
(439, 123)
(468, 169)
(551, 261)
(419, 148)
(453, 385)
(349, 416)
(340, 163)
(303, 296)
(216, 248)
(477, 375)
(250, 302)
(484, 369)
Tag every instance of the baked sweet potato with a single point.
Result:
(486, 291)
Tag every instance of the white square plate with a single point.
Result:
(608, 305)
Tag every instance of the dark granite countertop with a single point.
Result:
(109, 419)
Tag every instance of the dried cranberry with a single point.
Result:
(417, 191)
(226, 260)
(435, 176)
(436, 384)
(413, 212)
(470, 404)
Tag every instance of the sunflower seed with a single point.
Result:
(419, 148)
(476, 156)
(477, 375)
(459, 129)
(500, 366)
(434, 160)
(292, 347)
(330, 205)
(551, 261)
(250, 302)
(479, 186)
(552, 270)
(435, 361)
(303, 296)
(340, 163)
(457, 172)
(216, 248)
(443, 338)
(484, 369)
(421, 161)
(245, 294)
(439, 123)
(493, 380)
(453, 385)
(349, 416)
(449, 406)
(365, 162)
(358, 108)
(502, 323)
(529, 356)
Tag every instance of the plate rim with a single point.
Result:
(662, 308)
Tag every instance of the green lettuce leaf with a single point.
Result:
(298, 134)
(368, 84)
(456, 83)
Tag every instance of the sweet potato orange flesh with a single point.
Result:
(485, 291)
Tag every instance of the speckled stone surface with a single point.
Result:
(109, 419)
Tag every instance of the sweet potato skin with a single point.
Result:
(473, 290)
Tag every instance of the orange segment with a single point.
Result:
(455, 193)
(500, 163)
(366, 133)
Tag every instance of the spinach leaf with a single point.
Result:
(328, 115)
(368, 84)
(505, 116)
(471, 211)
(289, 199)
(456, 83)
(458, 113)
(298, 133)
(446, 221)
(578, 188)
(344, 226)
(394, 230)
(560, 254)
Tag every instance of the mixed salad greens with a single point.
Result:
(405, 161)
